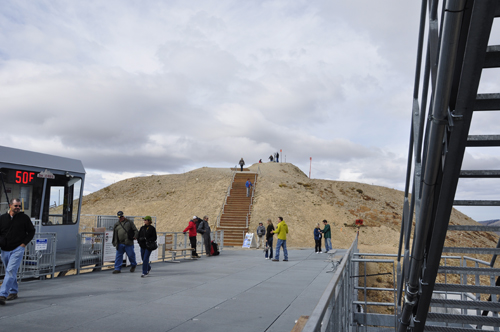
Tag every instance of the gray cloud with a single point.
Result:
(164, 87)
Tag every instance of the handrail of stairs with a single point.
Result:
(251, 199)
(221, 211)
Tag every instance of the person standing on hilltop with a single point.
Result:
(271, 158)
(277, 157)
(317, 239)
(242, 163)
(124, 234)
(282, 231)
(327, 232)
(192, 235)
(16, 232)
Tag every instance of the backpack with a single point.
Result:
(214, 250)
(201, 227)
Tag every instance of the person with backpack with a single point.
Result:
(269, 239)
(241, 163)
(261, 231)
(147, 241)
(204, 230)
(191, 228)
(317, 239)
(124, 234)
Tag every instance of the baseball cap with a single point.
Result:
(119, 213)
(195, 217)
(147, 218)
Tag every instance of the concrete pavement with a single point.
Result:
(236, 291)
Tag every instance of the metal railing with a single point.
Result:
(90, 251)
(91, 248)
(39, 257)
(334, 311)
(221, 211)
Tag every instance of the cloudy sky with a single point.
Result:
(135, 88)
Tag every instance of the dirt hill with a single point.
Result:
(281, 190)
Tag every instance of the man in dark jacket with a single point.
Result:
(261, 231)
(17, 230)
(123, 243)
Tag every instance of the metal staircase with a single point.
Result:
(445, 99)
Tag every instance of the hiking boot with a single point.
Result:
(144, 275)
(285, 260)
(12, 296)
(2, 300)
(117, 271)
(276, 260)
(132, 269)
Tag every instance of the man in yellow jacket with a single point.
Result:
(282, 231)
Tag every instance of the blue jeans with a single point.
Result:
(281, 243)
(11, 261)
(269, 244)
(328, 244)
(146, 267)
(120, 249)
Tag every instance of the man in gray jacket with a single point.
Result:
(123, 242)
(261, 231)
(204, 230)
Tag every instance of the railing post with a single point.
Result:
(78, 256)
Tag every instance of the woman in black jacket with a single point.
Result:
(147, 235)
(269, 239)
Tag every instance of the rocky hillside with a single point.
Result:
(282, 190)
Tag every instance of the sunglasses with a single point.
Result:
(17, 205)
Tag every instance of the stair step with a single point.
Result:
(431, 328)
(461, 304)
(480, 174)
(483, 140)
(487, 102)
(474, 228)
(463, 319)
(476, 203)
(463, 250)
(492, 57)
(467, 288)
(469, 270)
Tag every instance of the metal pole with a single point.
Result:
(439, 111)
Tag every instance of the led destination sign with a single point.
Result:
(26, 177)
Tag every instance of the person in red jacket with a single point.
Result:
(192, 235)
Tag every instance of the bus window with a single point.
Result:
(62, 201)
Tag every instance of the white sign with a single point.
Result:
(46, 175)
(249, 241)
(41, 244)
(109, 250)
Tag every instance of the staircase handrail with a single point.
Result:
(221, 211)
(251, 198)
